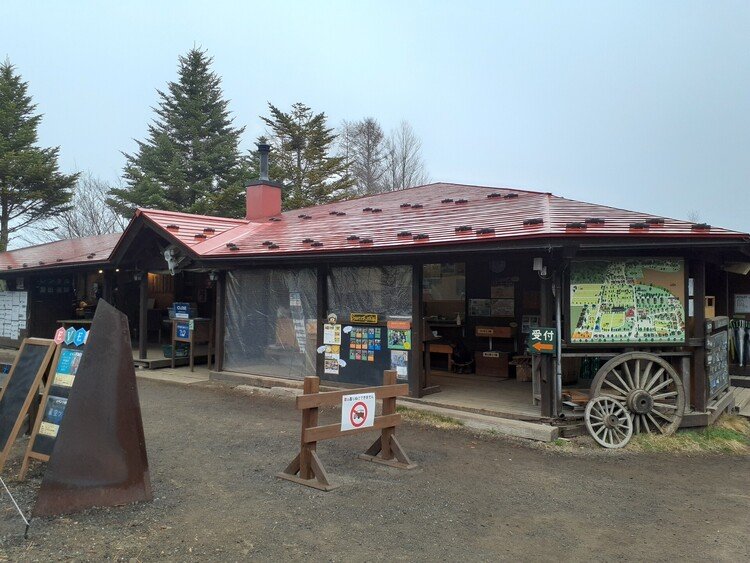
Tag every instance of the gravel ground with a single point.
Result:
(214, 453)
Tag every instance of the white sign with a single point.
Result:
(332, 334)
(357, 411)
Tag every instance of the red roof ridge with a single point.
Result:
(147, 211)
(422, 186)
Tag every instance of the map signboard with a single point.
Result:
(627, 301)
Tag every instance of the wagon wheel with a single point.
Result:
(608, 422)
(648, 386)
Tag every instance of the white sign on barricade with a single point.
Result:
(357, 411)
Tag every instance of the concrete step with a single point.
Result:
(506, 426)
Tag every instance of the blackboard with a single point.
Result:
(56, 398)
(359, 371)
(23, 383)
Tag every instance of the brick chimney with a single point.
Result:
(263, 197)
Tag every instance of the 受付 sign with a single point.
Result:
(357, 411)
(542, 341)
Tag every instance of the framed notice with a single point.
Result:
(503, 307)
(742, 303)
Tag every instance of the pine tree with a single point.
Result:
(191, 160)
(31, 185)
(303, 157)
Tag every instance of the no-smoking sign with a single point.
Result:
(357, 411)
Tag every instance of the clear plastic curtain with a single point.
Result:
(385, 290)
(271, 322)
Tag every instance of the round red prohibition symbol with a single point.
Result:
(358, 414)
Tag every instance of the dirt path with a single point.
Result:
(213, 456)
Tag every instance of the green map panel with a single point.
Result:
(627, 301)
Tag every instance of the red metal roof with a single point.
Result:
(86, 250)
(189, 230)
(432, 214)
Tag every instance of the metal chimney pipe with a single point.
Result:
(263, 150)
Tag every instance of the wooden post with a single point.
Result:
(219, 325)
(546, 362)
(309, 420)
(416, 370)
(700, 387)
(143, 318)
(387, 447)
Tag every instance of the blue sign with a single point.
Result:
(80, 337)
(181, 310)
(70, 334)
(183, 330)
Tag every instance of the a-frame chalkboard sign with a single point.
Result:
(55, 398)
(21, 387)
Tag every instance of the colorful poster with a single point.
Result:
(331, 359)
(332, 334)
(400, 362)
(399, 339)
(627, 300)
(53, 414)
(67, 367)
(364, 342)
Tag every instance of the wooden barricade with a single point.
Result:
(307, 469)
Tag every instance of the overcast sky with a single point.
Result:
(642, 105)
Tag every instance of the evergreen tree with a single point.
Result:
(190, 161)
(303, 157)
(31, 185)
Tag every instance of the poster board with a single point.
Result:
(67, 358)
(627, 301)
(23, 382)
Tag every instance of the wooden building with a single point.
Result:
(445, 283)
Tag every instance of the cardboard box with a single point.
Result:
(491, 363)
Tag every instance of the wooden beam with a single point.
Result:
(333, 398)
(143, 318)
(416, 357)
(329, 431)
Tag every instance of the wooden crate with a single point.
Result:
(523, 372)
(491, 363)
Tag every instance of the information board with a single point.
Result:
(55, 398)
(627, 301)
(717, 362)
(23, 382)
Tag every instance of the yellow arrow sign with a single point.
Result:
(539, 346)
